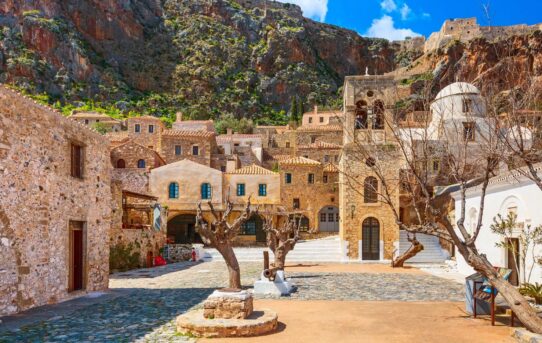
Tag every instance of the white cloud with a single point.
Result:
(405, 12)
(385, 28)
(388, 5)
(315, 9)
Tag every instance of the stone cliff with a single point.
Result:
(205, 57)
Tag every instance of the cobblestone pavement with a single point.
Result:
(152, 298)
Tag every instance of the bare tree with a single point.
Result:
(221, 235)
(282, 237)
(467, 152)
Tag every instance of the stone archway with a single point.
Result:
(181, 229)
(328, 219)
(370, 236)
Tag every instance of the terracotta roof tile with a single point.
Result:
(334, 127)
(282, 157)
(320, 145)
(301, 161)
(92, 115)
(146, 118)
(188, 133)
(252, 170)
(331, 168)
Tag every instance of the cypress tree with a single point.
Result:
(294, 115)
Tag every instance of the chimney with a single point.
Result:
(179, 117)
(315, 109)
(231, 165)
(229, 131)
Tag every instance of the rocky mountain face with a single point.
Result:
(513, 62)
(208, 58)
(214, 58)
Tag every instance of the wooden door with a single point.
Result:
(76, 267)
(370, 237)
(513, 258)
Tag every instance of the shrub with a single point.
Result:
(122, 257)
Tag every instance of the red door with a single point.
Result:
(76, 257)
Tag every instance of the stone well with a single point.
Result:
(227, 313)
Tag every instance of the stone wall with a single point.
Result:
(204, 142)
(133, 180)
(144, 137)
(322, 155)
(38, 200)
(144, 241)
(312, 197)
(354, 211)
(132, 152)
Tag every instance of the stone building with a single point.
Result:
(368, 226)
(197, 146)
(146, 131)
(263, 186)
(55, 210)
(132, 155)
(93, 118)
(311, 188)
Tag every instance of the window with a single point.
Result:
(141, 164)
(223, 169)
(240, 189)
(195, 150)
(121, 164)
(313, 139)
(311, 178)
(174, 190)
(467, 105)
(370, 162)
(86, 121)
(178, 150)
(137, 128)
(326, 158)
(325, 178)
(370, 189)
(310, 120)
(469, 134)
(151, 128)
(378, 114)
(248, 228)
(206, 191)
(321, 119)
(330, 217)
(288, 178)
(296, 203)
(262, 190)
(287, 144)
(76, 161)
(436, 165)
(323, 217)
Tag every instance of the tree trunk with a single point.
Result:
(233, 265)
(414, 249)
(280, 258)
(525, 313)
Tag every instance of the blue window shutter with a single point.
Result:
(206, 191)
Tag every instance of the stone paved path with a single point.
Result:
(151, 300)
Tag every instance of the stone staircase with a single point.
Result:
(320, 250)
(432, 253)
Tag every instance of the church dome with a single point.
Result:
(457, 88)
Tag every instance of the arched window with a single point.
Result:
(370, 190)
(361, 115)
(121, 164)
(206, 191)
(378, 112)
(174, 190)
(141, 164)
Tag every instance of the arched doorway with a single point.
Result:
(121, 164)
(254, 227)
(302, 220)
(370, 236)
(182, 229)
(328, 219)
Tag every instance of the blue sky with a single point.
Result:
(395, 19)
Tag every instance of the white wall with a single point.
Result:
(524, 195)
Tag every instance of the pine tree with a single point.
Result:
(294, 115)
